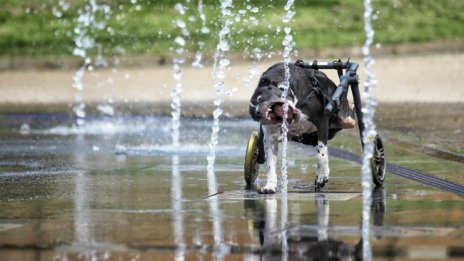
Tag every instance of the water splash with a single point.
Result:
(86, 25)
(219, 71)
(288, 45)
(177, 73)
(370, 129)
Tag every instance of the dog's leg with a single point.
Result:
(271, 150)
(322, 155)
(322, 163)
(348, 121)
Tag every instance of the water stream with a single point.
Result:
(178, 61)
(219, 73)
(87, 24)
(197, 62)
(370, 129)
(176, 188)
(288, 45)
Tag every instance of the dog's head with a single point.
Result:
(267, 104)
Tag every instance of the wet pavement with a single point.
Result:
(117, 190)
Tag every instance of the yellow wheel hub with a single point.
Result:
(251, 165)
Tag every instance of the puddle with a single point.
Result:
(124, 193)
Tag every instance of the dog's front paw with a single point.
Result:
(268, 189)
(320, 182)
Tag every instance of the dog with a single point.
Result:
(308, 92)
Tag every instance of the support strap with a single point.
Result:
(324, 96)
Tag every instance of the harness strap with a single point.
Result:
(323, 95)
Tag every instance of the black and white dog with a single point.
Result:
(308, 92)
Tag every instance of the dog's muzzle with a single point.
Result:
(274, 112)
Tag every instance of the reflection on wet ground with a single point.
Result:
(116, 189)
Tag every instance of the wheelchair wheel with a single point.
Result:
(378, 162)
(251, 165)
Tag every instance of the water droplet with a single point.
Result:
(180, 23)
(289, 5)
(288, 16)
(230, 92)
(180, 41)
(217, 112)
(224, 46)
(205, 30)
(224, 62)
(180, 8)
(25, 129)
(106, 109)
(56, 12)
(287, 40)
(287, 29)
(197, 61)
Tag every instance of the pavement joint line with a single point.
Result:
(420, 177)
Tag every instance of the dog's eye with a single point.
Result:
(264, 82)
(258, 98)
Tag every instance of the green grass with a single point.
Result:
(29, 28)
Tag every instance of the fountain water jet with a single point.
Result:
(369, 131)
(177, 74)
(205, 30)
(87, 22)
(287, 43)
(219, 68)
(178, 218)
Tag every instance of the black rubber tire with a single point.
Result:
(251, 165)
(378, 162)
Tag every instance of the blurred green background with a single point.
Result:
(142, 27)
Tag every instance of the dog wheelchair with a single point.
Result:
(255, 149)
